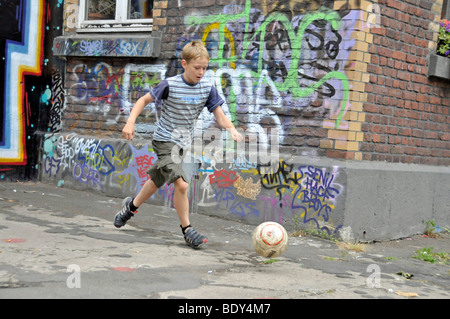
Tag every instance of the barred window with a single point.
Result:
(115, 15)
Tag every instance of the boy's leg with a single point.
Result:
(127, 211)
(181, 201)
(145, 193)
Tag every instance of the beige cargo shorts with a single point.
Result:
(168, 167)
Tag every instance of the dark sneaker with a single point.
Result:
(124, 214)
(193, 238)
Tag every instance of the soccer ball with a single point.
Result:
(270, 239)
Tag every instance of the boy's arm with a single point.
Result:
(225, 123)
(128, 130)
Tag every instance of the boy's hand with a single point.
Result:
(128, 131)
(235, 135)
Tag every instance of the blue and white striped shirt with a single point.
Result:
(182, 104)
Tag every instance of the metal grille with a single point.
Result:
(101, 9)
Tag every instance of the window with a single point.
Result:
(445, 10)
(115, 15)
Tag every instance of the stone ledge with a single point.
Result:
(108, 45)
(439, 66)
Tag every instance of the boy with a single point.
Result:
(183, 98)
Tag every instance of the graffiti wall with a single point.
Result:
(295, 194)
(276, 65)
(30, 92)
(282, 69)
(293, 58)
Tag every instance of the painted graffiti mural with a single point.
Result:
(245, 190)
(279, 69)
(23, 57)
(296, 58)
(31, 91)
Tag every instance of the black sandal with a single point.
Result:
(193, 238)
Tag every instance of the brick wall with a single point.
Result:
(101, 91)
(407, 116)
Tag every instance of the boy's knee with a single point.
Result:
(181, 185)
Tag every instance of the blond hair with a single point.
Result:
(194, 50)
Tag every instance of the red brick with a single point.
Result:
(392, 130)
(435, 100)
(404, 76)
(431, 135)
(385, 52)
(414, 115)
(376, 138)
(405, 131)
(375, 59)
(411, 58)
(421, 43)
(419, 78)
(370, 108)
(423, 151)
(382, 148)
(400, 113)
(381, 90)
(422, 98)
(397, 149)
(410, 150)
(380, 31)
(397, 55)
(396, 93)
(377, 128)
(408, 95)
(418, 133)
(340, 154)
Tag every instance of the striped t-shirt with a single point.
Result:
(182, 104)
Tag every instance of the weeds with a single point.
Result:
(427, 254)
(270, 261)
(433, 230)
(356, 247)
(312, 231)
(430, 228)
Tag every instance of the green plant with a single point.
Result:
(430, 228)
(311, 230)
(390, 258)
(443, 47)
(427, 254)
(270, 261)
(297, 222)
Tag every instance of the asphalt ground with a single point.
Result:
(59, 243)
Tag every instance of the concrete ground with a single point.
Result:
(61, 243)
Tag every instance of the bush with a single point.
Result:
(444, 38)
